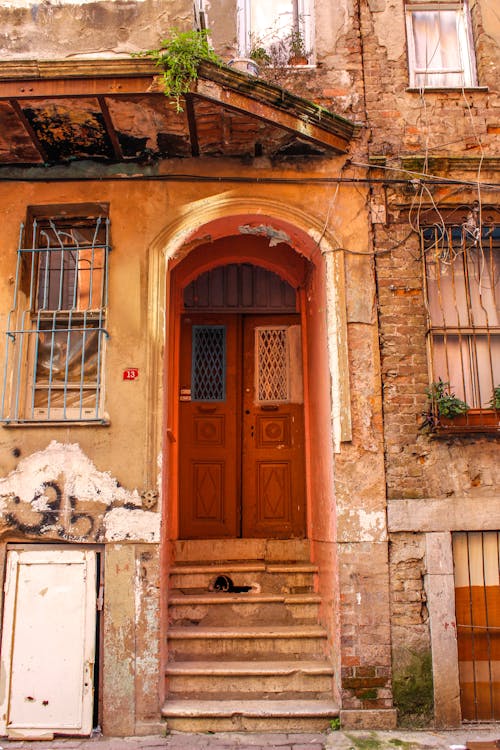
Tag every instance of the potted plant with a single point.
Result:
(179, 57)
(444, 406)
(298, 54)
(495, 399)
(260, 55)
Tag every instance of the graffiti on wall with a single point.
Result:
(59, 494)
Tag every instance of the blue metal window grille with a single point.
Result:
(56, 329)
(208, 371)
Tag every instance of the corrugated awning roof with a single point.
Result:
(115, 111)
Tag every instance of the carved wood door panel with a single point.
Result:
(273, 480)
(241, 453)
(209, 450)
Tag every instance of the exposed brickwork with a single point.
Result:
(365, 635)
(409, 614)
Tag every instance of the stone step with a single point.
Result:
(221, 608)
(239, 679)
(221, 597)
(223, 550)
(249, 715)
(260, 642)
(259, 576)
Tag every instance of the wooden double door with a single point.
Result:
(241, 427)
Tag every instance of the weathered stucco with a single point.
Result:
(53, 29)
(58, 492)
(366, 345)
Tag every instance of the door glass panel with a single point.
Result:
(208, 373)
(273, 371)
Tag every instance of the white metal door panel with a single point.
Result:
(48, 643)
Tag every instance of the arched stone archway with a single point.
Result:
(221, 232)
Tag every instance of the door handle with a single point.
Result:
(206, 409)
(269, 407)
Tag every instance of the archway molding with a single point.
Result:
(208, 219)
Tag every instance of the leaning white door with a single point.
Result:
(48, 643)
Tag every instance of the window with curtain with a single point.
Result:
(280, 28)
(462, 281)
(440, 52)
(56, 328)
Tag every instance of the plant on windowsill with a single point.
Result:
(260, 55)
(443, 406)
(447, 414)
(495, 399)
(179, 57)
(298, 54)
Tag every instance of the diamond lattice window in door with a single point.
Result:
(273, 371)
(209, 363)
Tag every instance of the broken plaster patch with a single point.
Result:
(134, 525)
(275, 236)
(82, 480)
(371, 525)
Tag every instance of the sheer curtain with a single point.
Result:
(437, 45)
(464, 305)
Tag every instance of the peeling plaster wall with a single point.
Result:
(58, 493)
(117, 460)
(54, 29)
(91, 482)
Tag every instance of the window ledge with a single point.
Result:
(104, 422)
(308, 67)
(446, 89)
(486, 421)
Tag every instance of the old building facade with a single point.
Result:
(221, 323)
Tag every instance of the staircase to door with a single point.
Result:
(252, 660)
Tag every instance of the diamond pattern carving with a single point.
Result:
(274, 487)
(208, 490)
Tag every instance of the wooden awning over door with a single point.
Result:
(114, 111)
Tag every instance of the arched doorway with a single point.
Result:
(259, 234)
(241, 406)
(240, 413)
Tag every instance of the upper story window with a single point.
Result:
(462, 280)
(56, 328)
(276, 31)
(440, 49)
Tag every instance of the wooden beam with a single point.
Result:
(110, 128)
(72, 87)
(29, 129)
(266, 112)
(193, 130)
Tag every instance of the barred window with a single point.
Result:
(462, 278)
(56, 328)
(440, 48)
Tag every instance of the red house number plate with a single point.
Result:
(131, 373)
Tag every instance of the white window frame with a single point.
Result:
(303, 21)
(466, 47)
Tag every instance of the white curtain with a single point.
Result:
(436, 41)
(464, 295)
